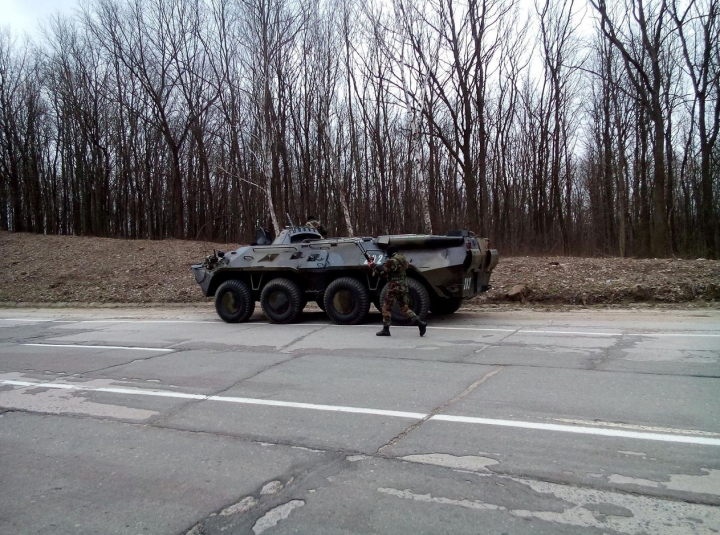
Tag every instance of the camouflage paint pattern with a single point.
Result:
(395, 270)
(397, 291)
(448, 266)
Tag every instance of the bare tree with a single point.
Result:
(467, 42)
(698, 27)
(327, 58)
(21, 116)
(11, 81)
(149, 38)
(271, 27)
(157, 118)
(559, 45)
(640, 37)
(413, 100)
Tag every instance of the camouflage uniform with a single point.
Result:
(395, 269)
(317, 225)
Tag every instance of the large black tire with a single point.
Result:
(282, 301)
(234, 302)
(347, 301)
(419, 302)
(442, 305)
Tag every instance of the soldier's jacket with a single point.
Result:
(395, 268)
(317, 225)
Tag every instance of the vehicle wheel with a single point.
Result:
(419, 302)
(234, 302)
(346, 301)
(321, 304)
(442, 305)
(282, 301)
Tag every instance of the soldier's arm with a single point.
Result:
(377, 268)
(388, 266)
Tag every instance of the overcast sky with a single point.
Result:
(23, 16)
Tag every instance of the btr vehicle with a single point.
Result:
(300, 266)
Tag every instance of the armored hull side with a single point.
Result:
(450, 268)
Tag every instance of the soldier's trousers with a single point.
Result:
(397, 291)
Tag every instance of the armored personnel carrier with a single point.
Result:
(300, 265)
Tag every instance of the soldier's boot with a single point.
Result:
(385, 331)
(422, 326)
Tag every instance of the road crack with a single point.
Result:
(173, 412)
(381, 451)
(497, 343)
(301, 338)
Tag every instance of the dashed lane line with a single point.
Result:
(47, 320)
(101, 347)
(537, 426)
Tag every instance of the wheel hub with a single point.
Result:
(279, 302)
(229, 303)
(344, 302)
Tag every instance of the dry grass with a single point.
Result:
(79, 270)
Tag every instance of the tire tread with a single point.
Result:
(242, 290)
(361, 296)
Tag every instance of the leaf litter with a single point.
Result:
(79, 270)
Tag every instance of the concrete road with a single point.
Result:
(170, 421)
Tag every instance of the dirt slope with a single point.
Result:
(79, 270)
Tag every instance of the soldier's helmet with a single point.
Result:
(392, 250)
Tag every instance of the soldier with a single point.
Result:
(317, 225)
(394, 269)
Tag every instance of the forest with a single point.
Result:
(549, 126)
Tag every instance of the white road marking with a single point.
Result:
(313, 406)
(100, 347)
(31, 320)
(662, 437)
(156, 321)
(653, 429)
(34, 320)
(580, 430)
(138, 392)
(521, 331)
(675, 334)
(588, 333)
(472, 329)
(369, 326)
